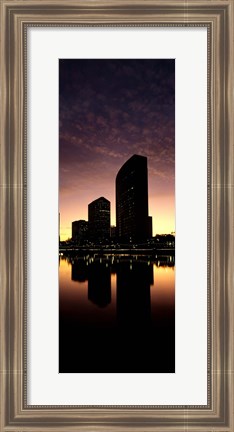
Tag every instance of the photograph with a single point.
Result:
(117, 215)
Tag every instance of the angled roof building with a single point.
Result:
(132, 221)
(99, 220)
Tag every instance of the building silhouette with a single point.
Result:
(132, 220)
(113, 232)
(79, 230)
(150, 225)
(133, 295)
(99, 220)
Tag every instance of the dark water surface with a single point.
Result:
(116, 313)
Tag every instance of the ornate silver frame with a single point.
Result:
(16, 16)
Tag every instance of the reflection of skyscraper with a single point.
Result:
(79, 271)
(133, 222)
(133, 295)
(99, 220)
(99, 285)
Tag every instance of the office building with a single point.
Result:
(99, 220)
(132, 220)
(79, 230)
(113, 232)
(150, 226)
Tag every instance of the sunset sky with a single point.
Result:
(108, 111)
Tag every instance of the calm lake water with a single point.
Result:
(116, 313)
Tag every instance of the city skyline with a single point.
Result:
(109, 110)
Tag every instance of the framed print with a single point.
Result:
(117, 215)
(105, 384)
(123, 312)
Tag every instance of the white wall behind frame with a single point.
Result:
(189, 384)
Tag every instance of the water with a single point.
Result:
(116, 313)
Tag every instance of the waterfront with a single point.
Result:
(116, 313)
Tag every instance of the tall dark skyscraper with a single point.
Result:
(132, 220)
(99, 220)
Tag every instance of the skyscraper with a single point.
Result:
(79, 230)
(99, 220)
(132, 220)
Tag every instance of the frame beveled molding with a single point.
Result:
(16, 17)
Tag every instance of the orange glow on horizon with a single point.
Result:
(162, 210)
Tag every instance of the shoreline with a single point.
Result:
(119, 251)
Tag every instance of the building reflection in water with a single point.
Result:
(79, 270)
(99, 284)
(117, 314)
(133, 294)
